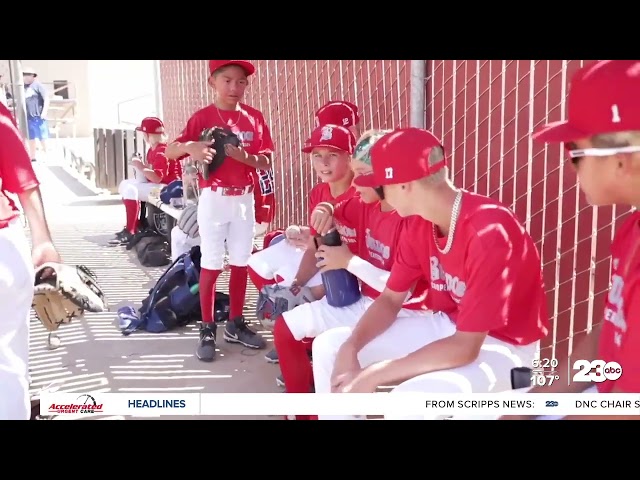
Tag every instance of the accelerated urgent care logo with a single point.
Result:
(83, 404)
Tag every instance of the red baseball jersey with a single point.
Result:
(491, 279)
(322, 193)
(620, 335)
(167, 170)
(378, 238)
(264, 196)
(248, 123)
(16, 171)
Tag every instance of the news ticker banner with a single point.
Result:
(396, 404)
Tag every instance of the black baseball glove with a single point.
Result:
(218, 137)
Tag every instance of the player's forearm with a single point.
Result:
(261, 162)
(373, 276)
(587, 349)
(151, 175)
(376, 320)
(307, 268)
(31, 201)
(176, 150)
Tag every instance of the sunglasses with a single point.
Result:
(576, 154)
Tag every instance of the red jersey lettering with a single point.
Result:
(16, 171)
(490, 280)
(620, 335)
(250, 126)
(264, 196)
(378, 235)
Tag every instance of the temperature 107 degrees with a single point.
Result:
(539, 376)
(542, 379)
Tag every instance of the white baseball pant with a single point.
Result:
(490, 372)
(280, 260)
(131, 189)
(137, 174)
(181, 243)
(312, 319)
(16, 295)
(225, 217)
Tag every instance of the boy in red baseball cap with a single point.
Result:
(156, 172)
(602, 139)
(283, 262)
(294, 265)
(485, 278)
(226, 205)
(339, 112)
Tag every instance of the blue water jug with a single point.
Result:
(341, 286)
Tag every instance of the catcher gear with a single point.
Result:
(65, 293)
(274, 300)
(188, 221)
(218, 137)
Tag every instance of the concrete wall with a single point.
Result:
(108, 93)
(122, 91)
(74, 72)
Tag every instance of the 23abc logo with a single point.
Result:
(596, 371)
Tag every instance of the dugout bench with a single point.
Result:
(161, 216)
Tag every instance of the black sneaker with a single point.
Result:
(237, 331)
(272, 356)
(121, 239)
(206, 351)
(121, 232)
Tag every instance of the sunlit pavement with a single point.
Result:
(94, 356)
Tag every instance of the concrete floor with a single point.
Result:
(94, 356)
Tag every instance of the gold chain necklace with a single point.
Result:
(226, 122)
(455, 212)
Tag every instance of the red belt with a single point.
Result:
(232, 191)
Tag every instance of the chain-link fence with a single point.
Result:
(288, 93)
(484, 111)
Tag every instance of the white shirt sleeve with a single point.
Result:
(373, 276)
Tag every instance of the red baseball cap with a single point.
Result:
(244, 64)
(401, 156)
(604, 97)
(151, 125)
(331, 136)
(338, 113)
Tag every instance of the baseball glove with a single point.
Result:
(63, 292)
(218, 137)
(274, 300)
(188, 221)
